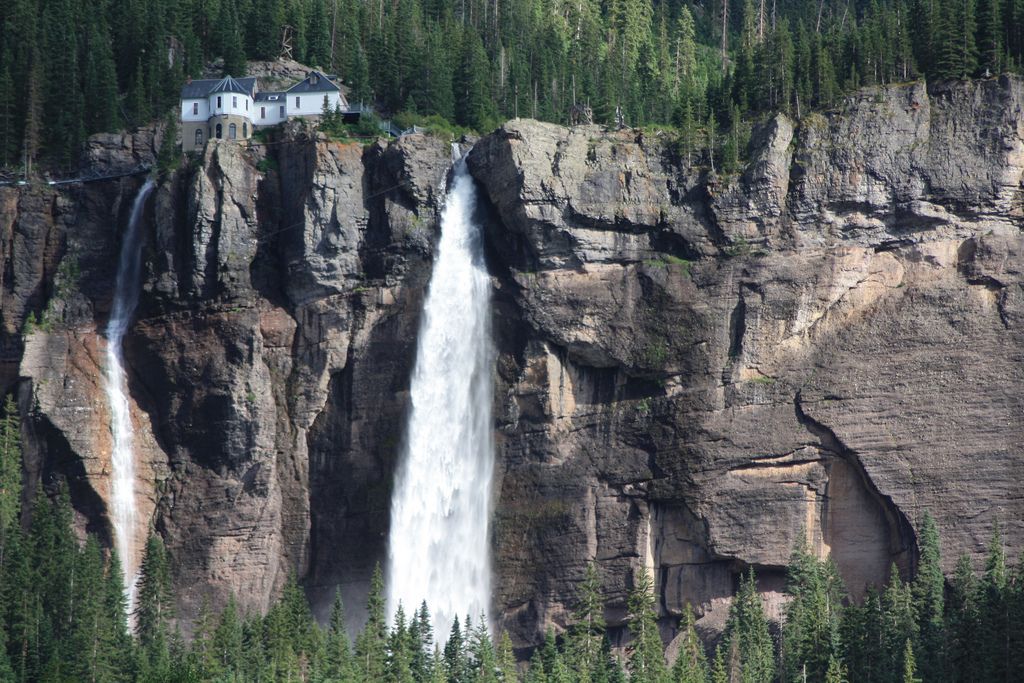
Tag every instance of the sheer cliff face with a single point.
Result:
(693, 368)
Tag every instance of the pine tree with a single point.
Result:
(646, 658)
(929, 601)
(154, 611)
(230, 39)
(899, 620)
(473, 106)
(115, 637)
(422, 634)
(508, 671)
(202, 657)
(749, 642)
(168, 156)
(685, 67)
(229, 642)
(962, 623)
(587, 632)
(484, 660)
(990, 36)
(20, 599)
(456, 664)
(63, 108)
(263, 30)
(136, 100)
(861, 636)
(86, 654)
(1015, 638)
(691, 665)
(400, 648)
(371, 644)
(318, 34)
(339, 649)
(8, 120)
(719, 674)
(993, 612)
(99, 78)
(810, 635)
(909, 664)
(10, 468)
(836, 672)
(966, 29)
(535, 673)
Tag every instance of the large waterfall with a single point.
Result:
(126, 298)
(440, 510)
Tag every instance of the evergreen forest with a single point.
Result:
(63, 618)
(69, 68)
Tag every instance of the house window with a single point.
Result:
(232, 132)
(199, 137)
(218, 102)
(263, 112)
(234, 102)
(245, 130)
(247, 105)
(297, 100)
(282, 111)
(220, 132)
(195, 109)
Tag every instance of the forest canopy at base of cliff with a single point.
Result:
(63, 617)
(70, 69)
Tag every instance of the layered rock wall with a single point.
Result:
(693, 368)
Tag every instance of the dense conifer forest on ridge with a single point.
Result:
(69, 69)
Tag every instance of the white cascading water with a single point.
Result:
(440, 509)
(126, 298)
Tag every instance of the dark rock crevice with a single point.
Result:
(901, 536)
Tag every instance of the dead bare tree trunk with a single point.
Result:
(334, 28)
(725, 34)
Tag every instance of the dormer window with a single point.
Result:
(313, 79)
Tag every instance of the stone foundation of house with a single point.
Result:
(226, 127)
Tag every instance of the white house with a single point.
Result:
(230, 108)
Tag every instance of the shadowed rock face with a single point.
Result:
(692, 368)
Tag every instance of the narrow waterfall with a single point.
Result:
(126, 298)
(440, 509)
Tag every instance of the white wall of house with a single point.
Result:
(223, 103)
(200, 107)
(310, 103)
(269, 112)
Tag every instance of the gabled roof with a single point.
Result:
(315, 81)
(201, 88)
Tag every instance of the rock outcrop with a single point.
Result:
(704, 366)
(693, 369)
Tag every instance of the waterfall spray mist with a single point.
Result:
(440, 511)
(126, 298)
